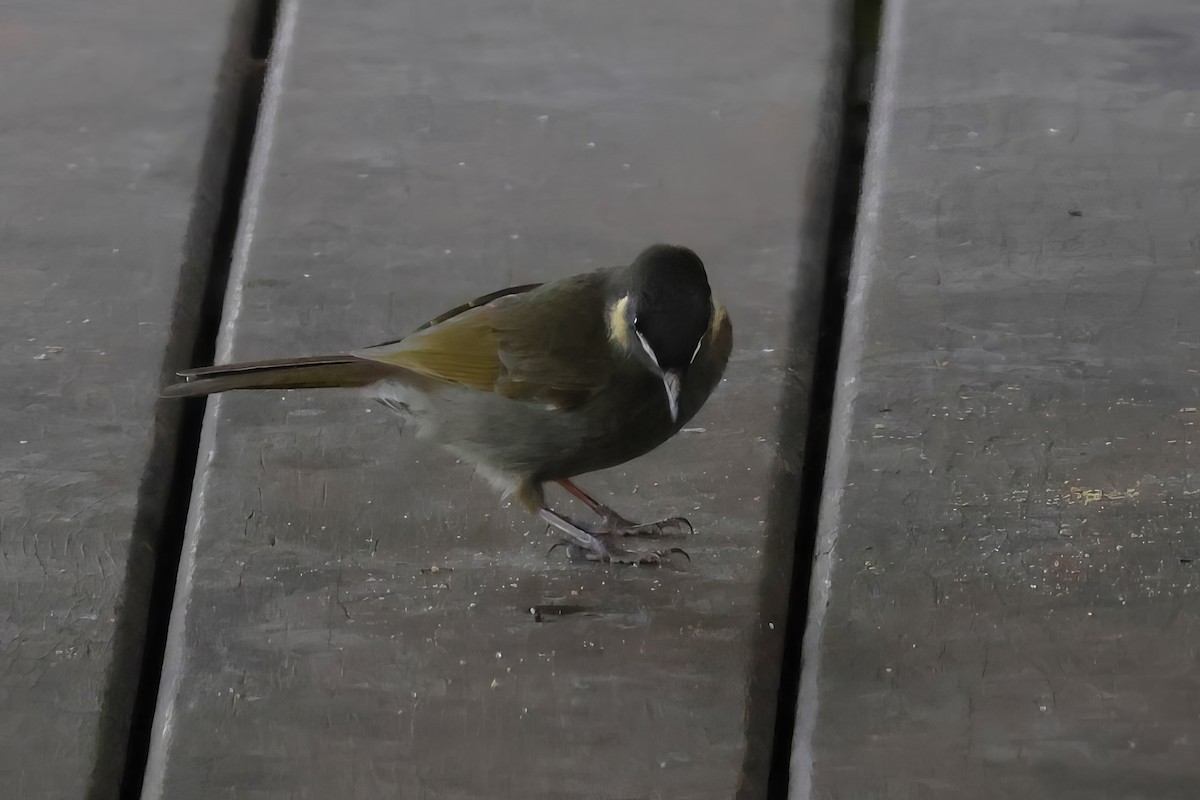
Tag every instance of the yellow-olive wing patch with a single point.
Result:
(548, 347)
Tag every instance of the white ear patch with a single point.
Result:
(646, 346)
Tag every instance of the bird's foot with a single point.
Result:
(646, 557)
(585, 545)
(621, 555)
(614, 524)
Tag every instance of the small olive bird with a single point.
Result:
(542, 382)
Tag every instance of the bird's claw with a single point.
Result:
(614, 555)
(652, 558)
(674, 526)
(598, 545)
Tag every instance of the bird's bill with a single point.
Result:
(672, 380)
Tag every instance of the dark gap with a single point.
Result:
(206, 303)
(260, 49)
(865, 16)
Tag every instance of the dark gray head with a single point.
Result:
(671, 304)
(669, 309)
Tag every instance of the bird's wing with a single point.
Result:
(544, 348)
(454, 312)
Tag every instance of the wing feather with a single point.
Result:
(521, 343)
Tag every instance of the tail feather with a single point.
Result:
(316, 372)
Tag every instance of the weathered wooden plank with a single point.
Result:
(1006, 595)
(107, 209)
(422, 154)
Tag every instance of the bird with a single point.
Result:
(541, 383)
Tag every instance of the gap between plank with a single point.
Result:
(863, 19)
(199, 304)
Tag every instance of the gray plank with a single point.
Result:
(421, 154)
(1006, 593)
(108, 205)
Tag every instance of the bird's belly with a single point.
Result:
(510, 440)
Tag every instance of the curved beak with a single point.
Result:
(672, 379)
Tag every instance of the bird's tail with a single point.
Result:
(317, 372)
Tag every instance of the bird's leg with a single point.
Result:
(614, 523)
(579, 541)
(576, 536)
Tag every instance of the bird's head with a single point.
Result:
(662, 314)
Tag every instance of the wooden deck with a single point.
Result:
(289, 596)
